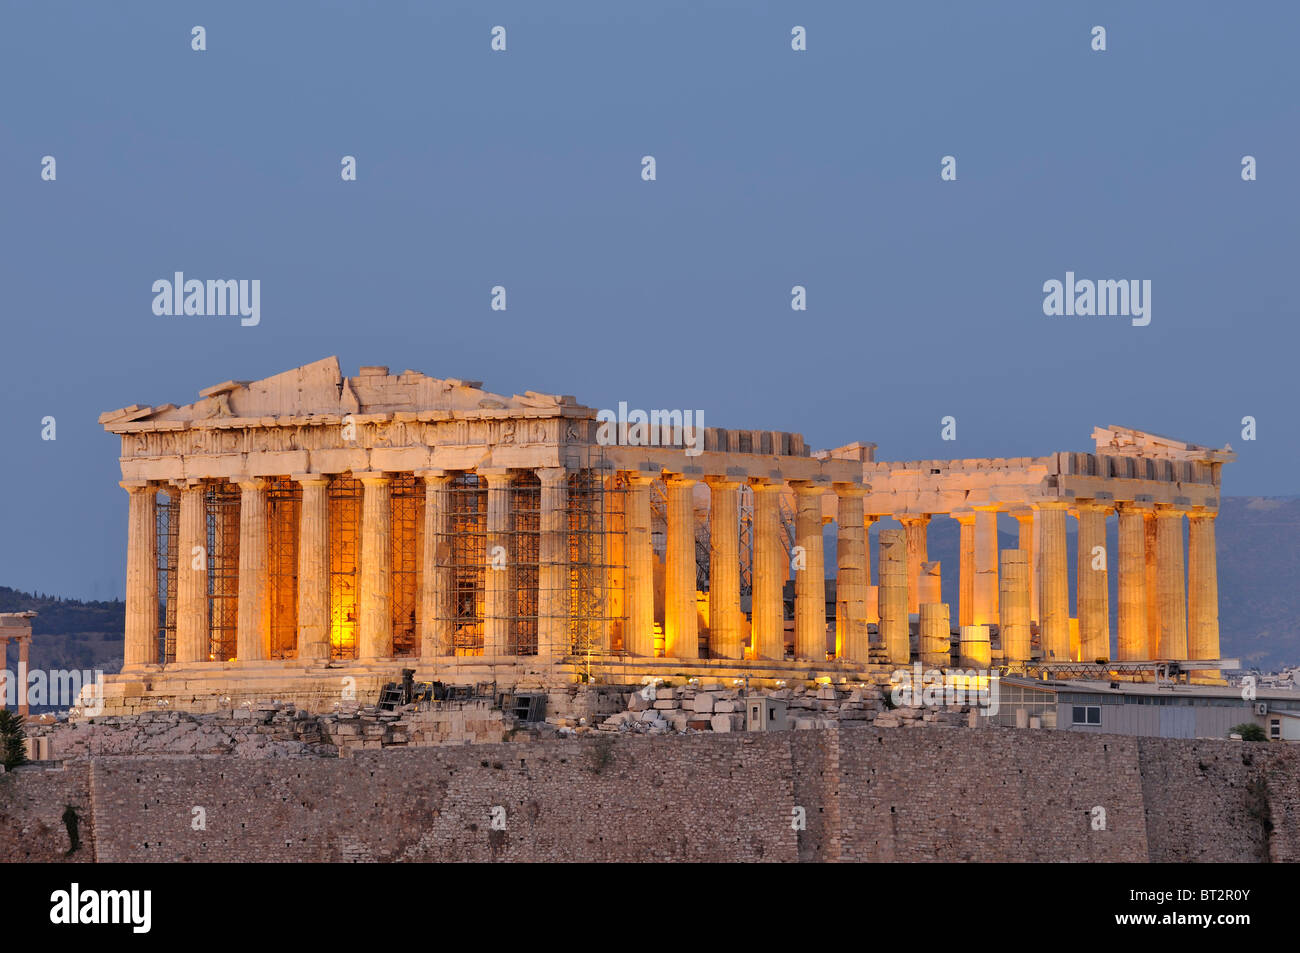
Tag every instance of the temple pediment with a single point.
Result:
(320, 388)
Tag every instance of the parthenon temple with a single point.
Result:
(289, 532)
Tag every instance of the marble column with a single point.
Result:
(141, 576)
(873, 592)
(313, 567)
(724, 570)
(1151, 557)
(893, 596)
(931, 582)
(966, 568)
(437, 572)
(1171, 596)
(24, 660)
(1054, 583)
(1027, 521)
(810, 581)
(1013, 605)
(639, 636)
(253, 626)
(1092, 591)
(986, 565)
(917, 553)
(935, 635)
(850, 574)
(681, 628)
(1202, 587)
(1133, 641)
(376, 593)
(192, 574)
(496, 574)
(553, 568)
(770, 573)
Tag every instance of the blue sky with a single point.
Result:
(775, 168)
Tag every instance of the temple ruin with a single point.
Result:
(290, 535)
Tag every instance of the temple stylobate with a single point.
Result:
(288, 533)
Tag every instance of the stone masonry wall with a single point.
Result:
(867, 794)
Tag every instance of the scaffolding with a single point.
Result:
(283, 509)
(406, 505)
(467, 547)
(344, 564)
(596, 566)
(221, 505)
(167, 516)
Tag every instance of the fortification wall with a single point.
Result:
(867, 794)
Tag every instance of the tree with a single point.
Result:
(1249, 731)
(13, 740)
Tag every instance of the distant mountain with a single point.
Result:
(1259, 592)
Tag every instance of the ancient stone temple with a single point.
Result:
(311, 529)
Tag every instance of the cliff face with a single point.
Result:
(924, 794)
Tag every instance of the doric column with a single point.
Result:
(1203, 586)
(1054, 583)
(930, 582)
(1093, 582)
(436, 618)
(639, 636)
(1153, 595)
(376, 590)
(868, 520)
(1027, 520)
(496, 575)
(141, 575)
(1133, 640)
(681, 628)
(553, 565)
(770, 573)
(986, 565)
(1013, 605)
(893, 596)
(935, 635)
(966, 568)
(253, 628)
(851, 641)
(192, 574)
(313, 567)
(1171, 592)
(24, 649)
(810, 581)
(724, 570)
(917, 552)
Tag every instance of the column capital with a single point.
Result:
(1055, 504)
(1202, 513)
(246, 482)
(496, 476)
(965, 517)
(1145, 507)
(136, 486)
(310, 479)
(849, 490)
(552, 476)
(185, 483)
(679, 480)
(1170, 510)
(1091, 504)
(764, 485)
(723, 483)
(988, 507)
(637, 478)
(914, 519)
(372, 477)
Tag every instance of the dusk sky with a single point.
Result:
(775, 168)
